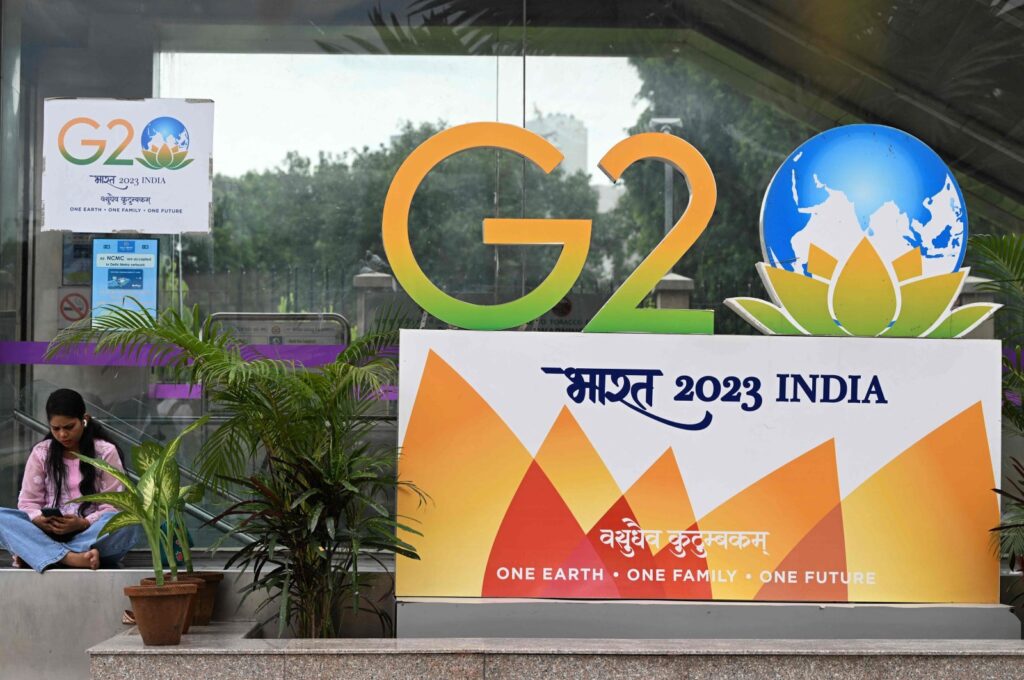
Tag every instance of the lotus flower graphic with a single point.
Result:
(863, 230)
(165, 142)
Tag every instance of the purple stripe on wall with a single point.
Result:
(28, 353)
(86, 355)
(82, 355)
(174, 391)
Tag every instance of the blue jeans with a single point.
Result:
(21, 537)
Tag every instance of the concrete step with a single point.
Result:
(49, 620)
(659, 619)
(224, 651)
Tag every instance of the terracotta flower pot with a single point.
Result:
(207, 596)
(159, 610)
(186, 620)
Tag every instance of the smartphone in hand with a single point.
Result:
(52, 512)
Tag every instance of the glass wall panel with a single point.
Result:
(317, 103)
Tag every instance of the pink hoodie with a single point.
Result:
(37, 490)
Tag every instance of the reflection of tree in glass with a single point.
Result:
(744, 141)
(941, 64)
(435, 27)
(327, 215)
(931, 70)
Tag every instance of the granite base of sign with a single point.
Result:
(508, 618)
(225, 652)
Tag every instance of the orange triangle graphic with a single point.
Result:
(577, 471)
(920, 524)
(786, 504)
(659, 498)
(470, 463)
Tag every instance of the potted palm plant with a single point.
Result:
(161, 609)
(299, 442)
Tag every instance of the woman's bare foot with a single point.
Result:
(18, 563)
(90, 559)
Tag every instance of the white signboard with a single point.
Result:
(593, 465)
(141, 165)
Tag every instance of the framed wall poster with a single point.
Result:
(124, 270)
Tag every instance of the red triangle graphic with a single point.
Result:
(644, 584)
(818, 562)
(687, 577)
(538, 531)
(590, 579)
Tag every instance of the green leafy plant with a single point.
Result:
(154, 502)
(1011, 529)
(314, 516)
(300, 441)
(194, 496)
(1000, 258)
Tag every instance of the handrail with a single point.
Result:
(285, 317)
(194, 510)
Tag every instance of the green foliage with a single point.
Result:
(319, 493)
(1011, 528)
(1000, 259)
(155, 502)
(744, 141)
(319, 502)
(333, 211)
(314, 516)
(333, 205)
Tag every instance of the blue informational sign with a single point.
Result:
(123, 270)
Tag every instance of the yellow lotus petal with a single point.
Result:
(863, 294)
(909, 265)
(805, 299)
(922, 303)
(163, 157)
(764, 316)
(820, 263)
(963, 320)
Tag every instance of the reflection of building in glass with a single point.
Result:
(569, 134)
(608, 196)
(566, 132)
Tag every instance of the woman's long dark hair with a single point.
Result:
(68, 403)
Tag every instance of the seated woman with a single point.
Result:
(67, 533)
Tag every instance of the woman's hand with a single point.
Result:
(68, 524)
(45, 523)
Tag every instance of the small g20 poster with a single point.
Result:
(124, 271)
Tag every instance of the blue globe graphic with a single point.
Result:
(164, 130)
(862, 181)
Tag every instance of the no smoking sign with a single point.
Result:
(73, 306)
